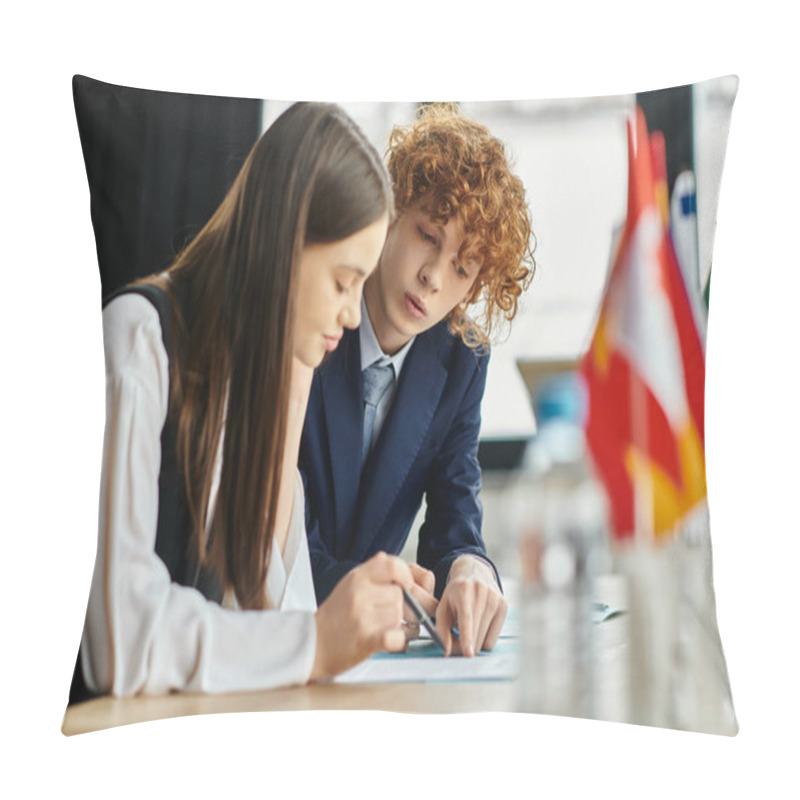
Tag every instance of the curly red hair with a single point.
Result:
(452, 166)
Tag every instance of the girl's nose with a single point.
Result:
(350, 315)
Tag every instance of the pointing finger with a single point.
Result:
(464, 612)
(444, 621)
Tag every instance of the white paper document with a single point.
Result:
(423, 662)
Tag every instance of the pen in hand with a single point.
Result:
(424, 619)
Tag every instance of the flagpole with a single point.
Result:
(651, 583)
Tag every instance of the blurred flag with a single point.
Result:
(683, 230)
(645, 369)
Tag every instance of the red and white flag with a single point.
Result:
(645, 369)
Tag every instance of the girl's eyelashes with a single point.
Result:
(462, 273)
(349, 284)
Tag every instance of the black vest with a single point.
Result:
(173, 533)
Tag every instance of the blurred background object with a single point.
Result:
(160, 162)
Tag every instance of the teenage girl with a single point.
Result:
(203, 580)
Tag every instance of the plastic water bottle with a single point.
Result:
(563, 546)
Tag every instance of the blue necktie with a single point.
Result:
(377, 379)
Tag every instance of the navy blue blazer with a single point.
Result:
(428, 446)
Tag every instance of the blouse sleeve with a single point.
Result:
(144, 633)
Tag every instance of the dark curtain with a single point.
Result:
(158, 165)
(670, 111)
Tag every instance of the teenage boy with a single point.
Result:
(394, 411)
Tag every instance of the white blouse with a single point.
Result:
(144, 633)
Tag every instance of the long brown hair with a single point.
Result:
(313, 177)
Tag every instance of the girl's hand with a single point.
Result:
(422, 591)
(362, 615)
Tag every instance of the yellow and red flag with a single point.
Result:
(645, 369)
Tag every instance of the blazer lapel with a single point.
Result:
(421, 384)
(340, 383)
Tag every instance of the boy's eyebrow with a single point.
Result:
(431, 221)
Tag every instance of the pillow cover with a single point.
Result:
(623, 194)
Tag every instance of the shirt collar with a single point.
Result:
(371, 350)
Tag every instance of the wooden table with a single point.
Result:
(414, 698)
(612, 693)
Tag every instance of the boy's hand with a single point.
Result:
(471, 601)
